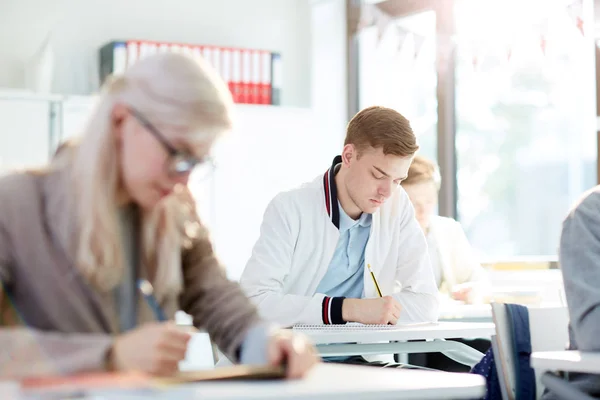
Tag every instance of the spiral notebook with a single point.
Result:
(355, 326)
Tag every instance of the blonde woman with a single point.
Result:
(114, 208)
(457, 272)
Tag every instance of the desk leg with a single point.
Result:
(562, 388)
(462, 353)
(403, 358)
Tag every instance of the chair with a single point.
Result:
(548, 331)
(503, 354)
(500, 371)
(555, 320)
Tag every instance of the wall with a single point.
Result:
(11, 74)
(79, 28)
(329, 71)
(23, 26)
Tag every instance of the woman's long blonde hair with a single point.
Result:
(173, 91)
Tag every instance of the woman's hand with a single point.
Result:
(155, 348)
(292, 350)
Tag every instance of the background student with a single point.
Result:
(114, 208)
(458, 274)
(579, 259)
(457, 271)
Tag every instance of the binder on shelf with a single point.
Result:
(236, 74)
(113, 59)
(176, 48)
(253, 76)
(142, 50)
(226, 68)
(265, 78)
(197, 53)
(164, 48)
(207, 54)
(246, 76)
(152, 48)
(276, 79)
(255, 81)
(147, 49)
(133, 52)
(216, 61)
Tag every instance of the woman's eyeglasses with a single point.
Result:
(180, 162)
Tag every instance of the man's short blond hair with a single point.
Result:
(381, 127)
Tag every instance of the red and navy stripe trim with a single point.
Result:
(330, 189)
(332, 306)
(326, 304)
(332, 310)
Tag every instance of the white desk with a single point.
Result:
(329, 382)
(568, 360)
(466, 312)
(547, 362)
(344, 342)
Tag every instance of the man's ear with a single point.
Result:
(349, 153)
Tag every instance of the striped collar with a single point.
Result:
(330, 188)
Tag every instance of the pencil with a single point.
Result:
(148, 293)
(375, 281)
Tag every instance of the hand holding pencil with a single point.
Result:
(381, 310)
(156, 347)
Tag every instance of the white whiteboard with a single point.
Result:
(24, 132)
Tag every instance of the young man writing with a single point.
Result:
(309, 264)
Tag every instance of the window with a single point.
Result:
(397, 70)
(525, 142)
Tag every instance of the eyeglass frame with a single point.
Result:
(173, 152)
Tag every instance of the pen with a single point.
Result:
(148, 293)
(374, 281)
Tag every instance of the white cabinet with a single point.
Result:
(25, 129)
(74, 112)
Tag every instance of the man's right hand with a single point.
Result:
(381, 310)
(155, 348)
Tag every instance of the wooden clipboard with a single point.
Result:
(236, 372)
(138, 380)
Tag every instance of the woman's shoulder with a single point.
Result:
(21, 193)
(15, 186)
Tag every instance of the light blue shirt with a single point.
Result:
(344, 276)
